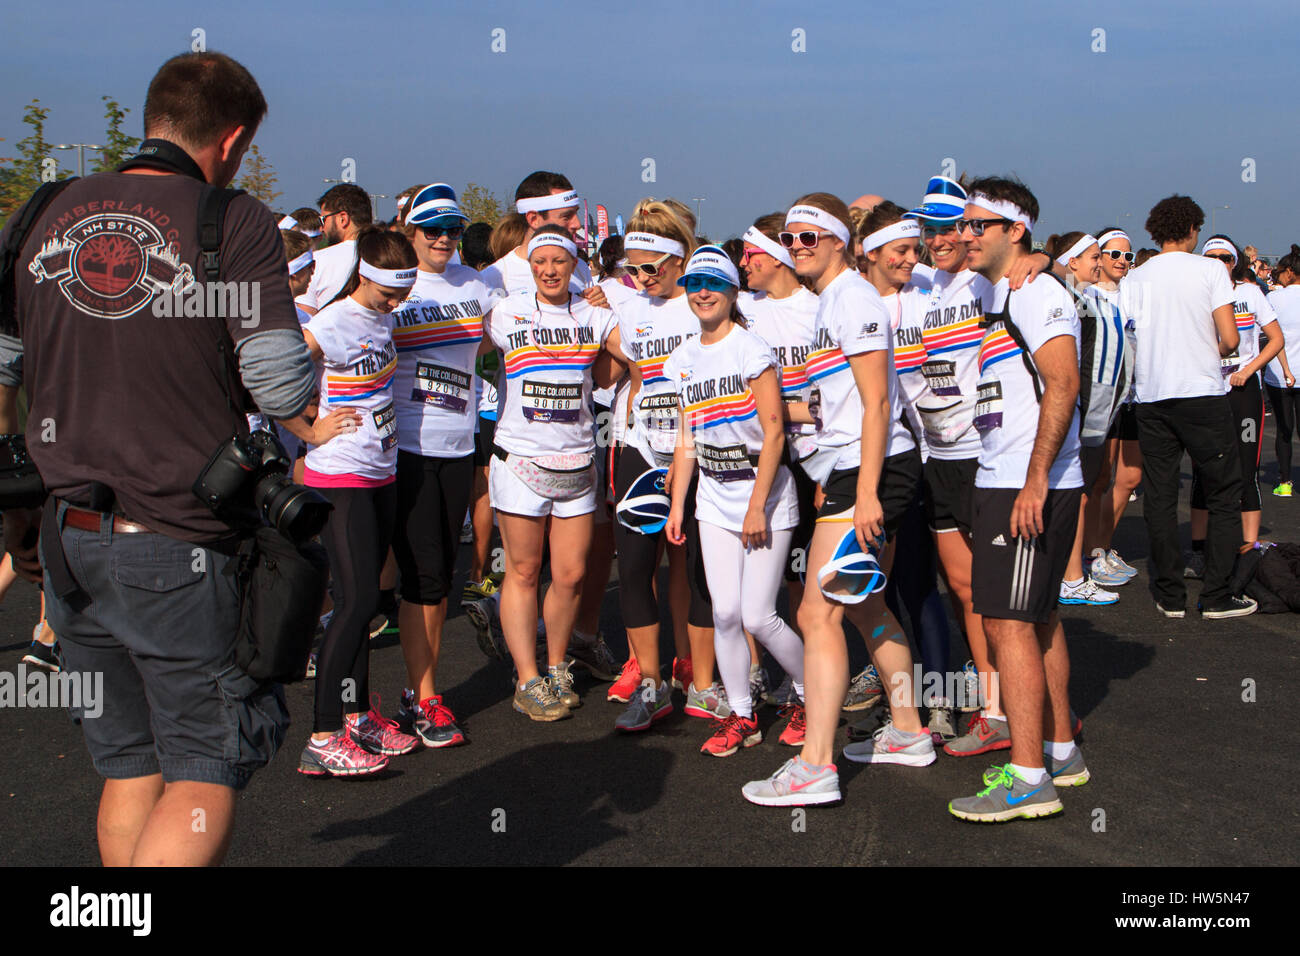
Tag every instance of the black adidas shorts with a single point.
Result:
(949, 485)
(1013, 578)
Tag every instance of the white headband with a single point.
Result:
(288, 222)
(1107, 236)
(388, 278)
(903, 229)
(552, 239)
(1076, 250)
(1007, 210)
(302, 262)
(1219, 245)
(310, 233)
(773, 249)
(649, 242)
(543, 203)
(819, 217)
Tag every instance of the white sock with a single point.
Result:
(1030, 775)
(798, 690)
(742, 706)
(1074, 584)
(1059, 751)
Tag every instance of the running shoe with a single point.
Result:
(1233, 607)
(794, 731)
(1099, 569)
(1283, 489)
(537, 701)
(940, 724)
(1119, 564)
(626, 686)
(1195, 565)
(339, 756)
(384, 625)
(1171, 612)
(891, 745)
(436, 724)
(467, 532)
(796, 784)
(1086, 592)
(487, 626)
(683, 673)
(783, 696)
(1071, 773)
(478, 591)
(560, 677)
(982, 735)
(379, 735)
(648, 704)
(759, 686)
(408, 711)
(971, 699)
(710, 703)
(45, 656)
(1007, 796)
(730, 734)
(595, 657)
(864, 728)
(865, 690)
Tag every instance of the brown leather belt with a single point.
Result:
(85, 520)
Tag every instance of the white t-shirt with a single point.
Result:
(909, 357)
(549, 350)
(334, 265)
(851, 320)
(712, 383)
(1171, 300)
(650, 328)
(1006, 410)
(356, 371)
(948, 309)
(437, 332)
(788, 326)
(618, 295)
(1252, 311)
(1286, 305)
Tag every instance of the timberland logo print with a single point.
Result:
(110, 265)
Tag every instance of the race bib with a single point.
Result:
(725, 462)
(386, 425)
(441, 387)
(659, 416)
(941, 376)
(551, 401)
(988, 405)
(1228, 364)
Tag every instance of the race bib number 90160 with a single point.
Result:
(551, 401)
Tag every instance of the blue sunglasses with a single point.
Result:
(696, 283)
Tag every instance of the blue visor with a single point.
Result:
(944, 199)
(644, 509)
(851, 575)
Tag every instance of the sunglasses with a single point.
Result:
(1129, 257)
(929, 232)
(977, 226)
(808, 239)
(648, 269)
(749, 254)
(1223, 257)
(697, 283)
(451, 232)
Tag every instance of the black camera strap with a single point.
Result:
(166, 156)
(13, 247)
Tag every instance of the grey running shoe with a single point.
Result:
(1177, 613)
(1005, 797)
(982, 735)
(537, 701)
(648, 704)
(560, 677)
(941, 726)
(1195, 565)
(1071, 773)
(1235, 607)
(865, 690)
(891, 745)
(970, 699)
(759, 686)
(595, 657)
(487, 625)
(783, 696)
(710, 703)
(796, 784)
(864, 728)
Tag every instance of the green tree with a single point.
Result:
(480, 204)
(117, 145)
(258, 179)
(22, 175)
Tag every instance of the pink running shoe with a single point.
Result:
(379, 735)
(339, 756)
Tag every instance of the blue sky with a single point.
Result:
(717, 97)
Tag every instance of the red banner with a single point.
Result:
(602, 223)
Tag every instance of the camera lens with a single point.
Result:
(297, 512)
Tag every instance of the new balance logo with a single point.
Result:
(1000, 542)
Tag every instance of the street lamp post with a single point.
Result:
(374, 206)
(697, 200)
(81, 153)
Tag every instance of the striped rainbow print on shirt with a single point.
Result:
(997, 345)
(530, 357)
(438, 334)
(825, 362)
(909, 358)
(652, 370)
(722, 410)
(343, 387)
(957, 337)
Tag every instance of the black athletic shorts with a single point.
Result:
(898, 480)
(805, 490)
(1125, 426)
(948, 485)
(432, 498)
(1091, 458)
(1013, 578)
(487, 430)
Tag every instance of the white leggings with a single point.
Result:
(743, 585)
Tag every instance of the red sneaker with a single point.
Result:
(732, 733)
(379, 735)
(683, 673)
(792, 736)
(436, 724)
(627, 683)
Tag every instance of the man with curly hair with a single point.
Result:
(1182, 308)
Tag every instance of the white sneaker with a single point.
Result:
(1086, 592)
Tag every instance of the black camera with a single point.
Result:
(246, 482)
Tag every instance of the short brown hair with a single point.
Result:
(194, 98)
(349, 198)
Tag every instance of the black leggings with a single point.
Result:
(356, 538)
(638, 556)
(1247, 402)
(1283, 401)
(432, 495)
